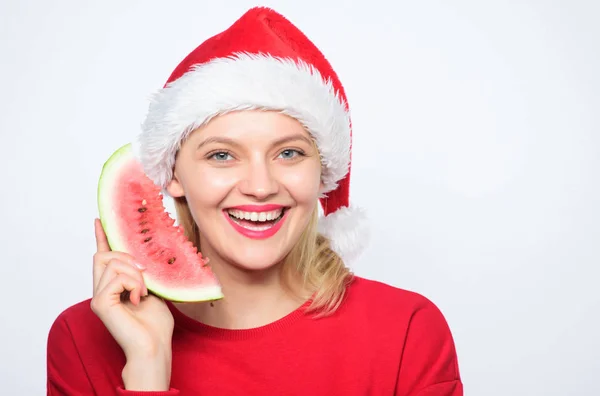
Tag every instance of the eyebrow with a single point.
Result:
(215, 139)
(224, 140)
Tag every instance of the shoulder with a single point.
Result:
(394, 307)
(412, 327)
(384, 297)
(78, 327)
(72, 317)
(82, 356)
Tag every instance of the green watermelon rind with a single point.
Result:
(206, 293)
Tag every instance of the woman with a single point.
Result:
(249, 135)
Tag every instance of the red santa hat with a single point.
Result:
(262, 61)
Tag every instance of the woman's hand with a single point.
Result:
(140, 323)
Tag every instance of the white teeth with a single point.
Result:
(256, 216)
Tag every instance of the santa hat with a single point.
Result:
(262, 61)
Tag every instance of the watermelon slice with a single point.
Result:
(136, 222)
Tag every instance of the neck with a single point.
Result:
(252, 298)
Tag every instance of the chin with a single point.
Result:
(255, 241)
(255, 258)
(260, 245)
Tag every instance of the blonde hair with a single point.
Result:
(321, 271)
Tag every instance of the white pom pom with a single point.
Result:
(348, 231)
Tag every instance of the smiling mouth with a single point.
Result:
(256, 221)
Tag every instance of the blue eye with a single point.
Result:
(289, 154)
(221, 156)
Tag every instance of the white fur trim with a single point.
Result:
(348, 231)
(240, 82)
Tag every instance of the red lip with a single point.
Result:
(257, 208)
(254, 234)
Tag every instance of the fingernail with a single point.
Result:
(139, 266)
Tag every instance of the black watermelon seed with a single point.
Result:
(145, 230)
(172, 260)
(142, 210)
(148, 239)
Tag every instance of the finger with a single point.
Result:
(115, 268)
(101, 259)
(111, 293)
(101, 240)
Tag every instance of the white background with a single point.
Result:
(477, 153)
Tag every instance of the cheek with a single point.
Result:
(206, 188)
(303, 184)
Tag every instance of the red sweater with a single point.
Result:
(382, 341)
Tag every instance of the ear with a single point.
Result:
(174, 188)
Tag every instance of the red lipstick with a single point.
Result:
(254, 232)
(257, 208)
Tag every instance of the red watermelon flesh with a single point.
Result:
(136, 222)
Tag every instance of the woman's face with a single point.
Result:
(251, 180)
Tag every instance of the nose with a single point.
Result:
(259, 181)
